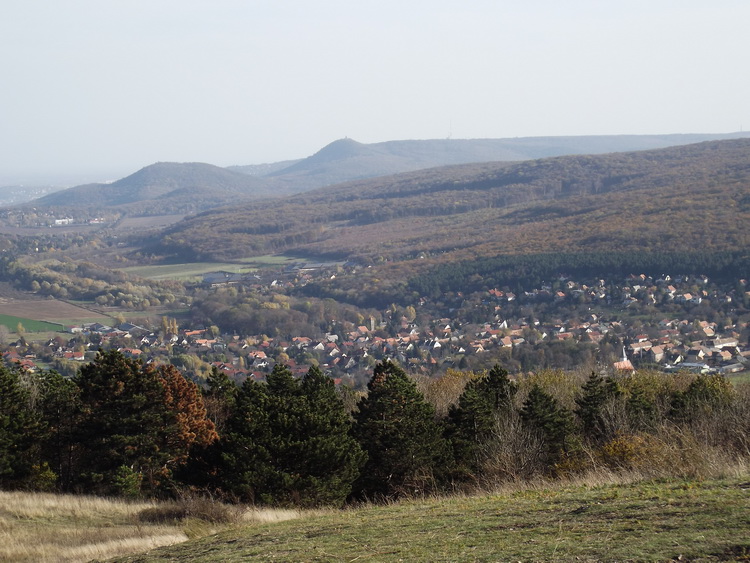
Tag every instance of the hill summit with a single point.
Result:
(162, 181)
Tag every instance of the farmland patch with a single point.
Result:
(50, 310)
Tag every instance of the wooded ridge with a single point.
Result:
(169, 187)
(679, 199)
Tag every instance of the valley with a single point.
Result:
(554, 263)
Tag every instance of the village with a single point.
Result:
(669, 323)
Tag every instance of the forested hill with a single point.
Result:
(346, 159)
(676, 199)
(166, 183)
(186, 188)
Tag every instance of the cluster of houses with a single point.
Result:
(680, 342)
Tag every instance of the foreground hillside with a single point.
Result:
(676, 199)
(703, 520)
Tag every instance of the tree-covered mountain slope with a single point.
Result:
(168, 187)
(164, 184)
(346, 159)
(676, 199)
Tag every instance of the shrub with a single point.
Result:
(512, 452)
(127, 482)
(200, 508)
(481, 407)
(671, 451)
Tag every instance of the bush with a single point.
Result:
(199, 508)
(42, 478)
(512, 452)
(127, 482)
(671, 451)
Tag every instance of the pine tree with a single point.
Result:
(473, 420)
(553, 423)
(396, 427)
(203, 467)
(596, 394)
(219, 397)
(289, 442)
(137, 423)
(59, 408)
(247, 464)
(187, 423)
(19, 431)
(640, 410)
(331, 458)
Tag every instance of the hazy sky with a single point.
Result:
(99, 88)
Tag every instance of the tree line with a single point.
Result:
(120, 427)
(532, 270)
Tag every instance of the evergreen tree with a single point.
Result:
(59, 408)
(331, 458)
(247, 464)
(289, 442)
(640, 410)
(202, 469)
(219, 396)
(553, 423)
(396, 427)
(473, 420)
(186, 417)
(596, 394)
(19, 431)
(136, 425)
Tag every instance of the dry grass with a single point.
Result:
(62, 528)
(46, 527)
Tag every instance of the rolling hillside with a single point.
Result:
(163, 183)
(346, 160)
(187, 188)
(693, 197)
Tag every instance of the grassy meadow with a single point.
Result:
(47, 527)
(600, 518)
(30, 325)
(186, 272)
(47, 315)
(193, 271)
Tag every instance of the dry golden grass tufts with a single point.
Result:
(43, 527)
(48, 527)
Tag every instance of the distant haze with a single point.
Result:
(95, 90)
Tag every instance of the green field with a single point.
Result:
(193, 271)
(185, 272)
(29, 325)
(666, 520)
